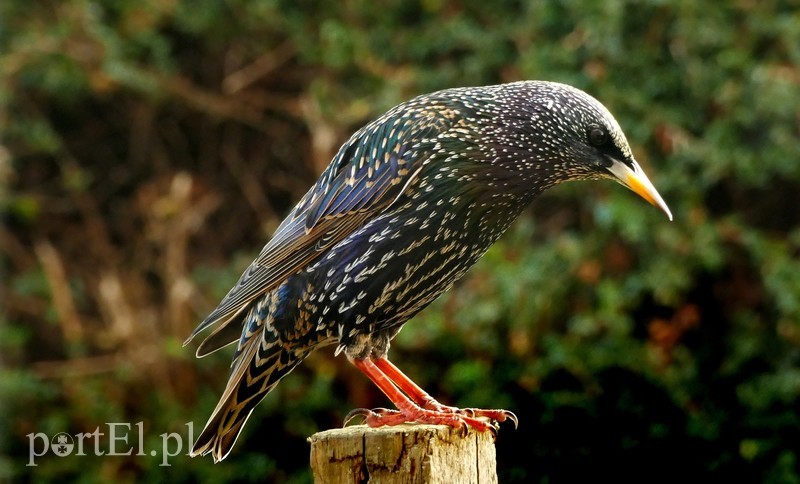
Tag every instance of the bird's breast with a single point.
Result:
(400, 261)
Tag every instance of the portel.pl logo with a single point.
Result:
(115, 440)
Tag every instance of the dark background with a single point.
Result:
(150, 148)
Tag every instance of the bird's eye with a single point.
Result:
(598, 136)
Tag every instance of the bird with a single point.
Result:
(407, 205)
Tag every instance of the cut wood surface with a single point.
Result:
(403, 454)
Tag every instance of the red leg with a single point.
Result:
(405, 383)
(424, 400)
(407, 410)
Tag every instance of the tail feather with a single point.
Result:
(259, 366)
(222, 336)
(216, 443)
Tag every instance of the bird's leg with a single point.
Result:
(404, 383)
(424, 400)
(407, 410)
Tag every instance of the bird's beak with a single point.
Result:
(635, 179)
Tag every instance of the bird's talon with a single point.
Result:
(511, 416)
(464, 428)
(357, 412)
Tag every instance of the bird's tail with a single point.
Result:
(256, 371)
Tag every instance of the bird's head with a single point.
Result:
(573, 136)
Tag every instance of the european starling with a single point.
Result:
(408, 204)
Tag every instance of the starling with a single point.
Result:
(408, 204)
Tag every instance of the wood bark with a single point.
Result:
(411, 453)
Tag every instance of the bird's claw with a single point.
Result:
(462, 428)
(366, 413)
(356, 412)
(493, 415)
(494, 429)
(501, 416)
(513, 417)
(498, 415)
(461, 419)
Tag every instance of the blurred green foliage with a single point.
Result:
(149, 149)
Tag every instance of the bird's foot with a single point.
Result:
(480, 420)
(415, 405)
(497, 415)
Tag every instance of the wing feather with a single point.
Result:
(370, 171)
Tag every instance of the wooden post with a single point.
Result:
(410, 453)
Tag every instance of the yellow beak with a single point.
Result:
(635, 179)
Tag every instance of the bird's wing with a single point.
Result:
(367, 175)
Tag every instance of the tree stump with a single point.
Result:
(410, 453)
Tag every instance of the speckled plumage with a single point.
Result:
(410, 202)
